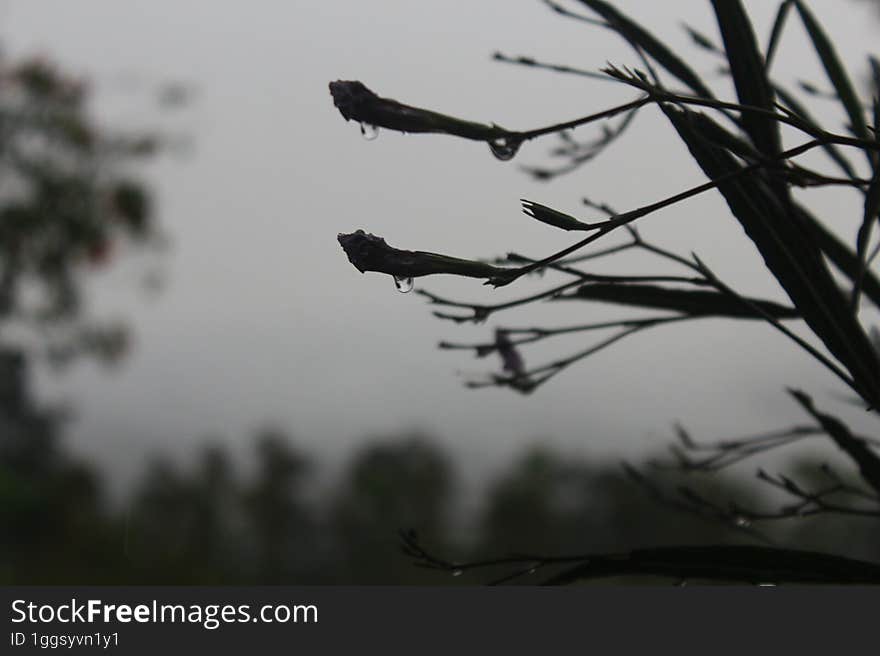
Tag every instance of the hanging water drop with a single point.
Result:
(504, 148)
(369, 132)
(457, 572)
(403, 284)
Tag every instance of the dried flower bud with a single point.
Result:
(510, 358)
(553, 217)
(358, 103)
(368, 252)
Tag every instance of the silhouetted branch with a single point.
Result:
(557, 68)
(368, 252)
(735, 563)
(740, 563)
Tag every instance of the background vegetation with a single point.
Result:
(71, 200)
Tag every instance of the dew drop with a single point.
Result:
(369, 132)
(457, 572)
(404, 285)
(504, 149)
(742, 522)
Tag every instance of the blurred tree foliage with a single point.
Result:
(213, 523)
(70, 200)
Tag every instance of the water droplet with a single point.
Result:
(533, 570)
(403, 285)
(504, 148)
(457, 572)
(766, 585)
(369, 132)
(742, 522)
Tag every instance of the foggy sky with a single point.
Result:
(262, 320)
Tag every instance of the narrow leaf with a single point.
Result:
(840, 254)
(872, 212)
(660, 52)
(698, 303)
(791, 255)
(746, 563)
(776, 32)
(749, 74)
(875, 76)
(715, 134)
(700, 39)
(834, 69)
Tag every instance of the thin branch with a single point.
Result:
(556, 68)
(482, 312)
(620, 220)
(743, 563)
(809, 348)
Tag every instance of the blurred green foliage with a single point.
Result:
(70, 201)
(281, 521)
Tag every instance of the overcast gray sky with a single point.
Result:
(263, 321)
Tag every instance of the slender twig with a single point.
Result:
(590, 118)
(537, 334)
(621, 220)
(746, 563)
(556, 68)
(482, 312)
(809, 348)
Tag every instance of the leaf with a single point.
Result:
(700, 39)
(840, 254)
(835, 70)
(720, 136)
(747, 563)
(872, 212)
(639, 36)
(698, 303)
(795, 260)
(776, 32)
(875, 77)
(749, 74)
(866, 459)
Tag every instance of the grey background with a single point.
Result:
(262, 321)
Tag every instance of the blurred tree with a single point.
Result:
(390, 484)
(69, 203)
(280, 526)
(69, 200)
(55, 525)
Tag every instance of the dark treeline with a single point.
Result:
(210, 523)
